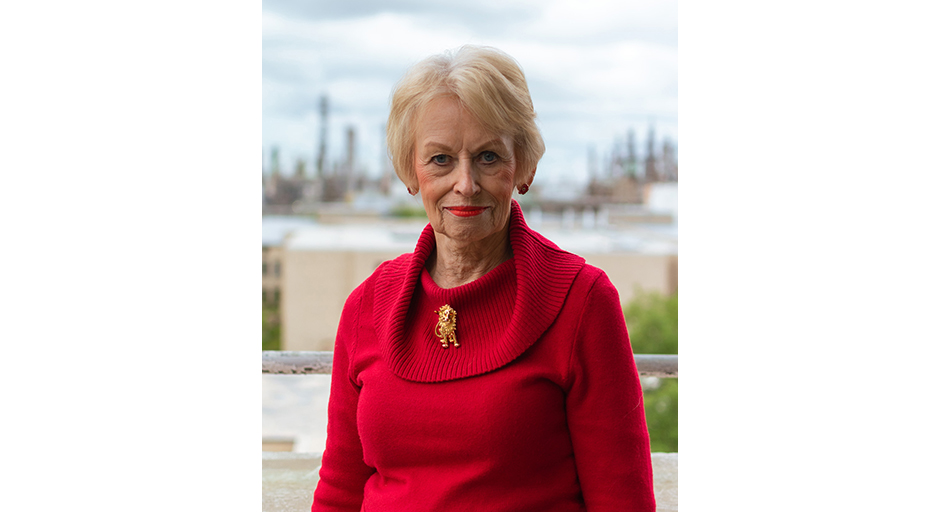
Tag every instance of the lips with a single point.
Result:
(465, 211)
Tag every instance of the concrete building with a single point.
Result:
(321, 267)
(274, 230)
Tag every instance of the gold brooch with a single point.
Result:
(446, 325)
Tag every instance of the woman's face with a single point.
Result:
(465, 173)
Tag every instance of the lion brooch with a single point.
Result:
(446, 325)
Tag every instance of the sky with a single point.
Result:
(595, 70)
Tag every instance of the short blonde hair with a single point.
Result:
(489, 83)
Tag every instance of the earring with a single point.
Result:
(410, 192)
(523, 189)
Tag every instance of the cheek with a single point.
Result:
(422, 177)
(427, 183)
(506, 178)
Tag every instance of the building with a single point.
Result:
(274, 230)
(322, 265)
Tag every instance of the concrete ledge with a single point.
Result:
(311, 362)
(666, 481)
(289, 479)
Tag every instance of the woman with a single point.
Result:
(488, 370)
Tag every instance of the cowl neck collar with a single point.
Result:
(543, 274)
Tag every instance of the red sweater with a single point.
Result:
(539, 408)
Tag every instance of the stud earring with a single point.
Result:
(410, 192)
(523, 189)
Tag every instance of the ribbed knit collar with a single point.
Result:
(543, 274)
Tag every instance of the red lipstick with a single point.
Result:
(465, 211)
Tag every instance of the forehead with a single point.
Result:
(446, 120)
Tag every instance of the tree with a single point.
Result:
(270, 328)
(653, 324)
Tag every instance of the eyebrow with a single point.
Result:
(496, 143)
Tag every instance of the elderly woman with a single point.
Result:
(489, 370)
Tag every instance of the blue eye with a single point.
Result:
(488, 157)
(439, 159)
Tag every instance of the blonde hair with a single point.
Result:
(489, 83)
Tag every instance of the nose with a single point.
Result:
(466, 184)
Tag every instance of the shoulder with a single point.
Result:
(593, 283)
(593, 274)
(359, 309)
(600, 282)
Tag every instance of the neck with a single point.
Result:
(454, 264)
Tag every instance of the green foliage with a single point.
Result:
(407, 211)
(653, 324)
(662, 415)
(271, 328)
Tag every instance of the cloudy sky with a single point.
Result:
(595, 69)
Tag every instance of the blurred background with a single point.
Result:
(604, 81)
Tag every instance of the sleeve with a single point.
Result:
(343, 473)
(605, 409)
